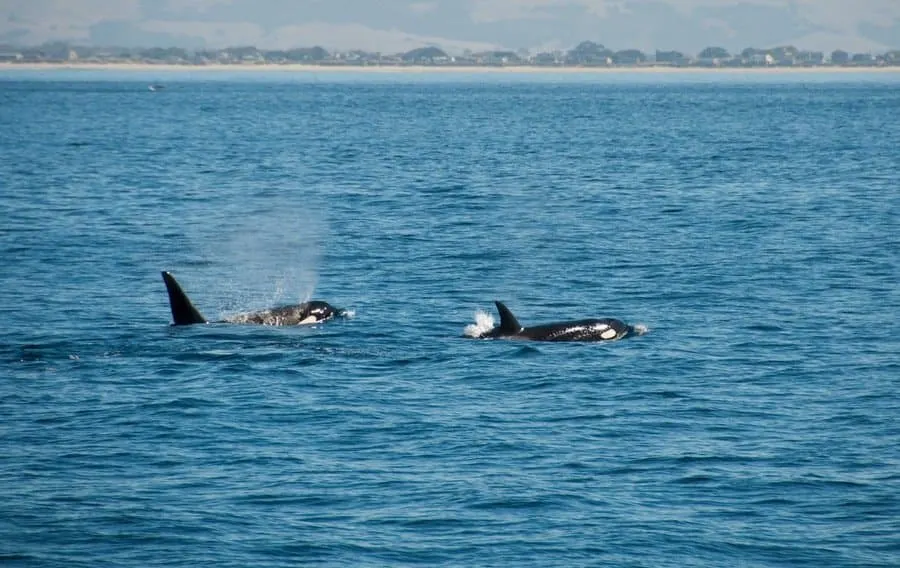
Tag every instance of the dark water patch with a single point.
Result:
(765, 328)
(669, 395)
(525, 351)
(497, 505)
(18, 559)
(696, 479)
(181, 403)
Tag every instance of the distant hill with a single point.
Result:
(423, 54)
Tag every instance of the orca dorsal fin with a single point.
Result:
(508, 322)
(183, 311)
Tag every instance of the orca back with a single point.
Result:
(605, 329)
(314, 311)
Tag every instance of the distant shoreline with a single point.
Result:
(511, 69)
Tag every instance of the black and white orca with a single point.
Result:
(603, 329)
(184, 312)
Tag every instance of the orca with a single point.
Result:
(184, 312)
(603, 329)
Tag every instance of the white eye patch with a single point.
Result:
(608, 334)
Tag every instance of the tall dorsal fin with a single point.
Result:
(508, 322)
(183, 311)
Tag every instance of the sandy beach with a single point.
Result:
(423, 69)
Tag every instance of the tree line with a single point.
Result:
(586, 53)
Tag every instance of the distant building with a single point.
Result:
(675, 58)
(629, 57)
(589, 53)
(811, 58)
(546, 58)
(497, 58)
(753, 57)
(306, 54)
(840, 57)
(785, 55)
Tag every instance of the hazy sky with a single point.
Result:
(397, 25)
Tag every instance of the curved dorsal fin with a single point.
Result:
(508, 322)
(183, 311)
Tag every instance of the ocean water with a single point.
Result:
(750, 222)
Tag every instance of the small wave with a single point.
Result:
(526, 351)
(640, 329)
(484, 322)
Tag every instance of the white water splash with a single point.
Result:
(484, 322)
(640, 329)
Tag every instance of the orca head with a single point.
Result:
(509, 325)
(317, 310)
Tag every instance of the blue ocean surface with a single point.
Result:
(750, 222)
